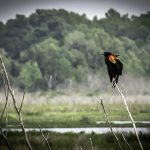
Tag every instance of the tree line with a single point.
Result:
(50, 47)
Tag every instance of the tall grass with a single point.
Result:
(70, 141)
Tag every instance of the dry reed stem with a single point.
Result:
(46, 140)
(131, 118)
(6, 106)
(81, 148)
(18, 111)
(6, 97)
(126, 141)
(107, 120)
(6, 91)
(91, 144)
(5, 111)
(22, 100)
(6, 139)
(6, 120)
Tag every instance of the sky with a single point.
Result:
(9, 8)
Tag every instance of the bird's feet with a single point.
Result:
(114, 83)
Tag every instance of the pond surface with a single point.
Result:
(87, 130)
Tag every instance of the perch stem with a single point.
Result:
(131, 118)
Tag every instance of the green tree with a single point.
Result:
(63, 70)
(80, 74)
(30, 76)
(65, 44)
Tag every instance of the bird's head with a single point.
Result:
(110, 57)
(107, 54)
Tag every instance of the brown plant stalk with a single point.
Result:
(45, 138)
(130, 116)
(129, 147)
(6, 139)
(91, 144)
(6, 91)
(18, 110)
(107, 120)
(4, 111)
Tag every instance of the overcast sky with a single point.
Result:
(9, 8)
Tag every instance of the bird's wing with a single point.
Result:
(110, 69)
(119, 66)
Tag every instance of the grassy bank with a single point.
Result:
(74, 115)
(70, 141)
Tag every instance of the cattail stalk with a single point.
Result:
(18, 110)
(107, 120)
(131, 118)
(45, 138)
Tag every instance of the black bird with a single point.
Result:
(114, 66)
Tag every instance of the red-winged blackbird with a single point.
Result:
(114, 66)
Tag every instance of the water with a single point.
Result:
(124, 122)
(86, 130)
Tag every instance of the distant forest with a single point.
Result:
(53, 46)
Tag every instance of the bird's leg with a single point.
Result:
(113, 83)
